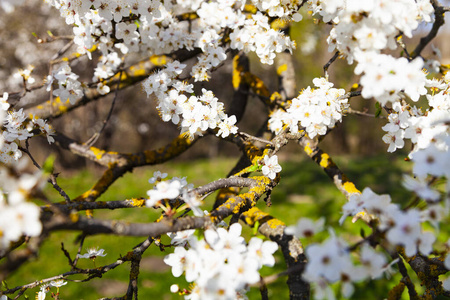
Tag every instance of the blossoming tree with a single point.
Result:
(211, 254)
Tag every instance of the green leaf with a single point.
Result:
(48, 165)
(379, 109)
(5, 285)
(253, 168)
(255, 228)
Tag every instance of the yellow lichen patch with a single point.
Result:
(250, 8)
(89, 213)
(158, 60)
(87, 194)
(350, 187)
(226, 193)
(254, 214)
(263, 183)
(62, 108)
(275, 223)
(189, 16)
(237, 70)
(279, 24)
(102, 184)
(281, 69)
(257, 85)
(140, 71)
(39, 107)
(308, 149)
(324, 160)
(161, 217)
(74, 217)
(275, 96)
(98, 153)
(137, 202)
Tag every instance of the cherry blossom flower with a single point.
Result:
(93, 253)
(420, 187)
(227, 127)
(271, 166)
(305, 227)
(163, 190)
(374, 262)
(58, 283)
(180, 238)
(157, 177)
(262, 250)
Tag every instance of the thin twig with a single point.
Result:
(52, 180)
(67, 254)
(363, 113)
(52, 177)
(61, 52)
(96, 135)
(328, 64)
(254, 138)
(402, 44)
(82, 238)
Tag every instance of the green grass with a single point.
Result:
(304, 191)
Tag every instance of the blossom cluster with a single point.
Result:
(385, 77)
(315, 109)
(18, 217)
(194, 114)
(15, 129)
(105, 69)
(429, 133)
(171, 189)
(221, 264)
(257, 36)
(422, 128)
(45, 288)
(331, 261)
(403, 228)
(370, 26)
(69, 88)
(280, 8)
(168, 189)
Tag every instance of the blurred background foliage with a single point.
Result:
(304, 190)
